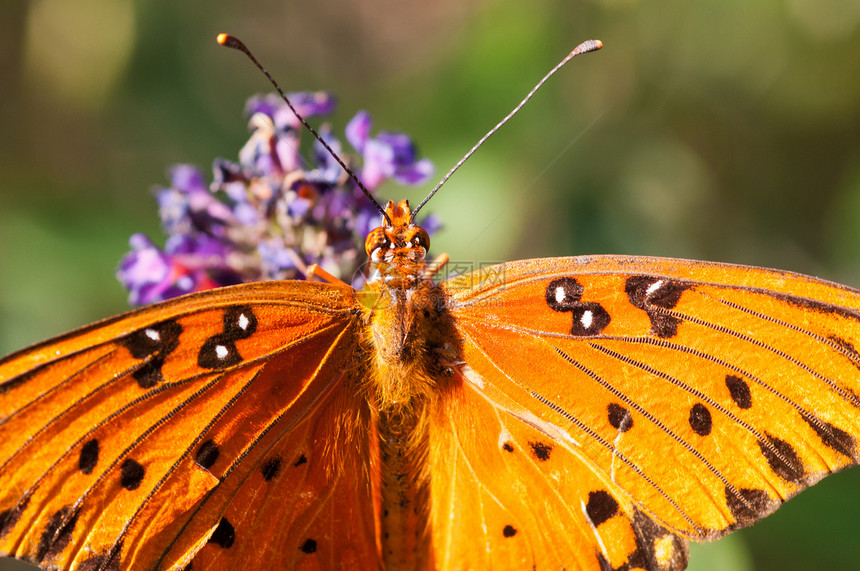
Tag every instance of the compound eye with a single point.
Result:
(422, 239)
(375, 240)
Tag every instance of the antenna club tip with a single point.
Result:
(587, 46)
(230, 42)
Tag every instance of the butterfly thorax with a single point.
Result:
(400, 306)
(407, 332)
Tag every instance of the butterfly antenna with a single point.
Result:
(584, 47)
(236, 44)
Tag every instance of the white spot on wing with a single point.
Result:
(243, 321)
(654, 287)
(559, 294)
(221, 351)
(152, 334)
(587, 318)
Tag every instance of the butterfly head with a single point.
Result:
(398, 247)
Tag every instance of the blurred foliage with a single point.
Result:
(725, 131)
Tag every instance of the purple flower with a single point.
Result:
(307, 103)
(389, 155)
(186, 265)
(273, 213)
(187, 205)
(327, 170)
(143, 271)
(277, 259)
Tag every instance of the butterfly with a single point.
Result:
(590, 412)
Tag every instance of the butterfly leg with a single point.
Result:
(316, 271)
(436, 265)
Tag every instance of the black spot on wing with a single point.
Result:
(224, 535)
(782, 459)
(563, 294)
(153, 343)
(700, 419)
(131, 474)
(239, 322)
(739, 391)
(89, 456)
(672, 554)
(832, 437)
(509, 531)
(207, 454)
(508, 447)
(308, 546)
(541, 450)
(162, 337)
(149, 374)
(219, 351)
(601, 506)
(301, 460)
(270, 468)
(589, 318)
(57, 534)
(663, 294)
(748, 505)
(619, 417)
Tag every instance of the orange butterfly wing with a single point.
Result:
(610, 406)
(199, 425)
(591, 412)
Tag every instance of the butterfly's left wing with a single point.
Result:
(610, 407)
(223, 424)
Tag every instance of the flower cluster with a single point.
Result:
(273, 213)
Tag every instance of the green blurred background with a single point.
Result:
(724, 131)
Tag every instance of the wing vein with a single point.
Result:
(261, 435)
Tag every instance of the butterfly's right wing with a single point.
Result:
(223, 425)
(605, 408)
